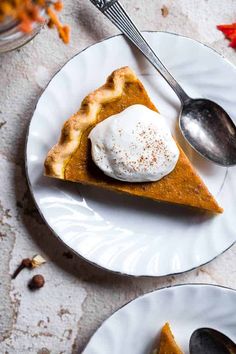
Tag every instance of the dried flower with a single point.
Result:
(28, 12)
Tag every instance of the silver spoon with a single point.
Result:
(204, 124)
(210, 341)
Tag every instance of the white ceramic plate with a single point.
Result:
(136, 327)
(121, 233)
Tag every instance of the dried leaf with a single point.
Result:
(37, 261)
(229, 32)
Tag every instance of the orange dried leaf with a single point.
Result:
(229, 31)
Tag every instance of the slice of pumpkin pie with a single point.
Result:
(167, 343)
(118, 141)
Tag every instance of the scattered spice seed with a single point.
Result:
(2, 124)
(164, 11)
(229, 32)
(68, 255)
(36, 282)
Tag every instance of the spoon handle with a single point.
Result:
(114, 11)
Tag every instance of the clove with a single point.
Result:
(35, 262)
(26, 263)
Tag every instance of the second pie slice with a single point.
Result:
(70, 159)
(167, 344)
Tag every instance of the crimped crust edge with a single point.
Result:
(74, 127)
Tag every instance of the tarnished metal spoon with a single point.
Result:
(210, 341)
(204, 124)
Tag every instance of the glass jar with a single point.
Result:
(11, 37)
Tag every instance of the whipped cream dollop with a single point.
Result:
(134, 146)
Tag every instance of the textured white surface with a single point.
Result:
(77, 297)
(135, 236)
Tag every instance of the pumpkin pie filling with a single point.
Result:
(167, 344)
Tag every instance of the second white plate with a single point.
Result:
(120, 233)
(135, 328)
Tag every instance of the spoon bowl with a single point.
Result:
(209, 130)
(210, 341)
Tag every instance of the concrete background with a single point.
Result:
(77, 297)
